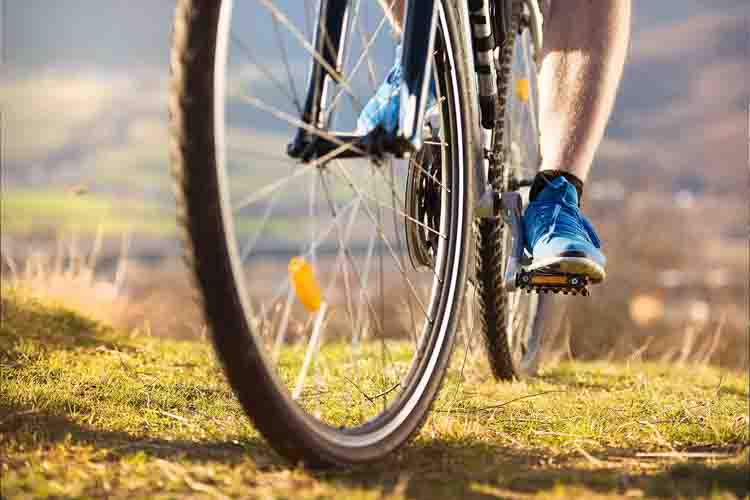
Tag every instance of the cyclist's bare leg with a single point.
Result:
(584, 52)
(585, 43)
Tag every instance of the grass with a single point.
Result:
(25, 212)
(87, 411)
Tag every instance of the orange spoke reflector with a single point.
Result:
(305, 285)
(522, 89)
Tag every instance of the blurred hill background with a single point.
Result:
(84, 92)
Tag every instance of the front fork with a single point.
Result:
(329, 33)
(416, 62)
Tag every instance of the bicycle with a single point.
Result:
(329, 370)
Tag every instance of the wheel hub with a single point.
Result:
(423, 204)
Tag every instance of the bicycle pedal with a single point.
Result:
(545, 281)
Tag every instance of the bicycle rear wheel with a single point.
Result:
(334, 343)
(513, 338)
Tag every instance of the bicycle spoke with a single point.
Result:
(283, 325)
(315, 338)
(379, 203)
(254, 101)
(303, 170)
(355, 11)
(308, 252)
(342, 238)
(285, 59)
(381, 287)
(387, 10)
(348, 181)
(250, 245)
(428, 174)
(356, 271)
(327, 308)
(373, 78)
(381, 233)
(283, 19)
(312, 346)
(403, 260)
(312, 214)
(401, 202)
(365, 280)
(365, 55)
(267, 73)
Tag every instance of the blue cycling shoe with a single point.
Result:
(558, 236)
(383, 108)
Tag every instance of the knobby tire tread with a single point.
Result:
(489, 232)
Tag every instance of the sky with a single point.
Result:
(84, 91)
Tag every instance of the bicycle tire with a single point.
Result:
(202, 215)
(507, 320)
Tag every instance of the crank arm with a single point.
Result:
(511, 210)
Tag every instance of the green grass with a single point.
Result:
(25, 212)
(29, 212)
(86, 411)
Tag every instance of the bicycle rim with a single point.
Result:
(333, 341)
(508, 317)
(522, 126)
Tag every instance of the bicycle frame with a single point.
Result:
(418, 44)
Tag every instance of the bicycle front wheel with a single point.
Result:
(332, 288)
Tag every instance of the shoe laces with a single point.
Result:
(553, 218)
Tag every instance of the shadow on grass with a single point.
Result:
(53, 327)
(475, 470)
(427, 469)
(430, 469)
(42, 428)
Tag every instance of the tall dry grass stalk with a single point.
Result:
(68, 276)
(697, 344)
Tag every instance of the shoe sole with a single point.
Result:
(571, 265)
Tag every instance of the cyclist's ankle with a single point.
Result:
(544, 177)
